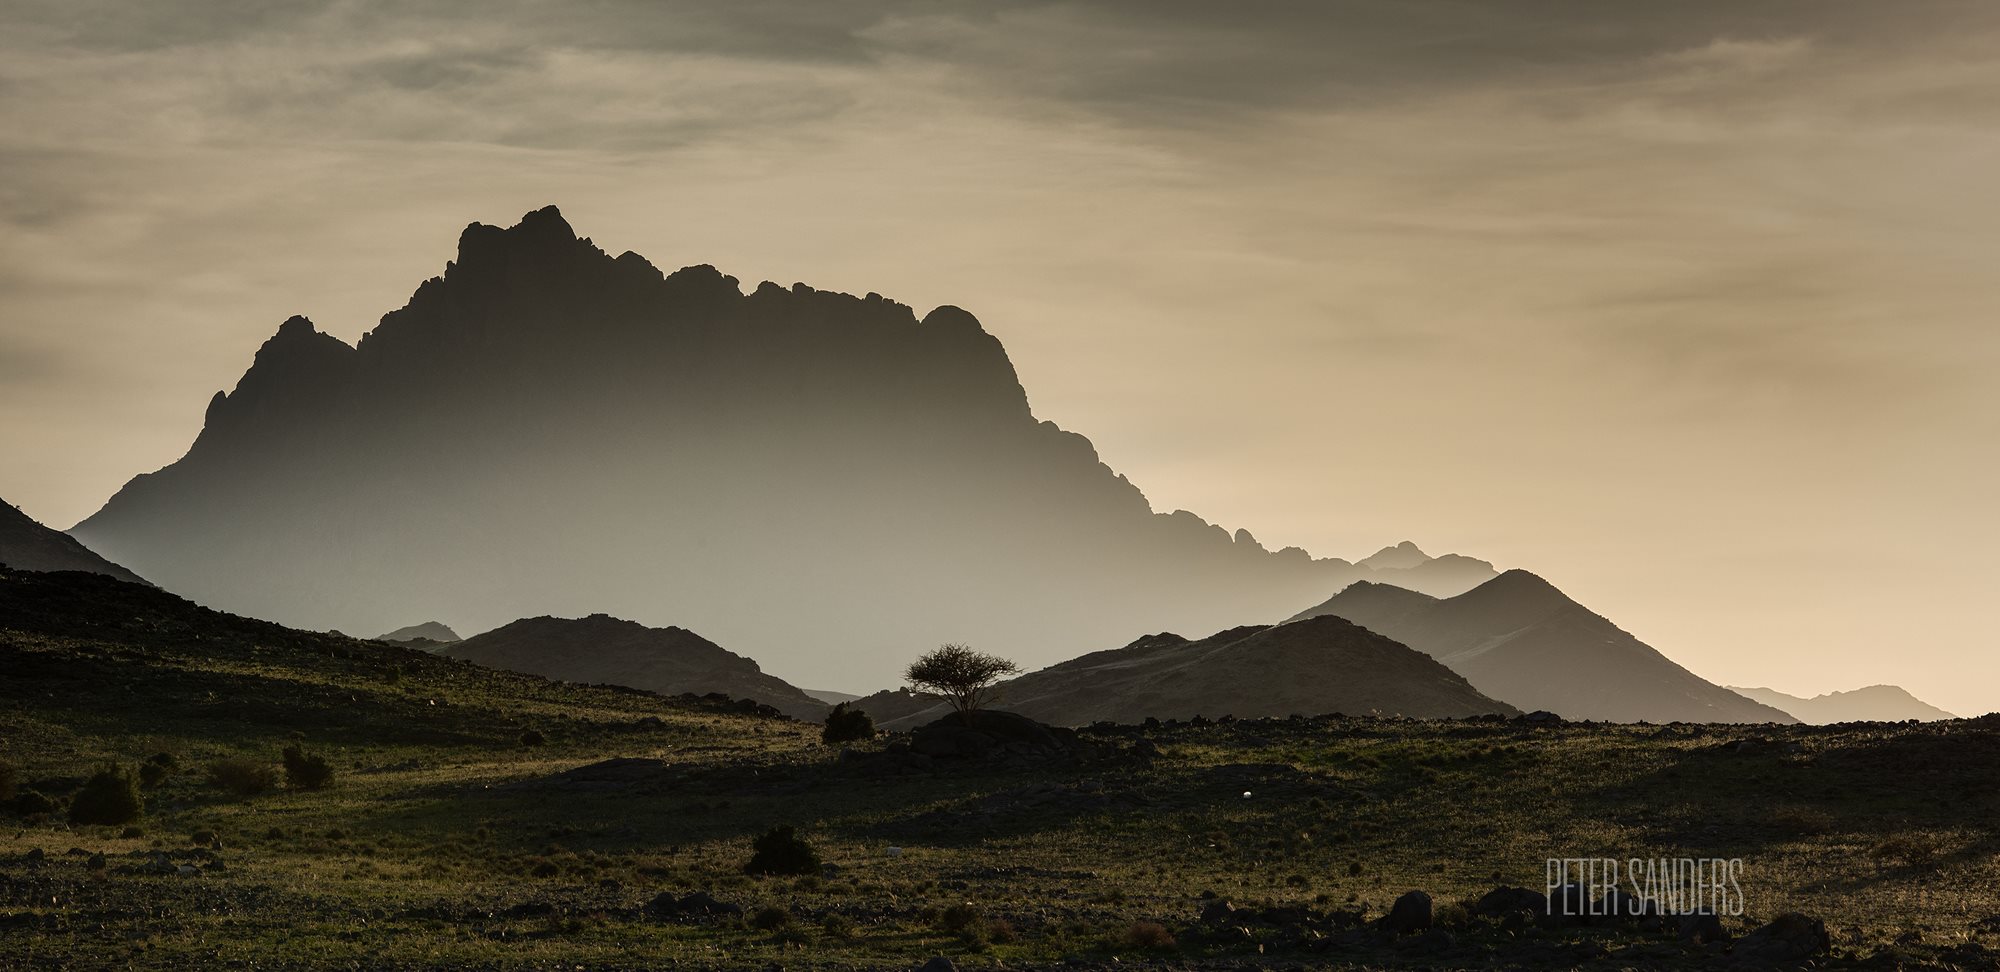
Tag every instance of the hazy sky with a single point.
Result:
(1688, 307)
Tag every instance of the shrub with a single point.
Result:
(837, 927)
(163, 759)
(9, 776)
(30, 803)
(306, 771)
(241, 776)
(780, 851)
(959, 917)
(1148, 935)
(845, 725)
(111, 796)
(151, 775)
(1000, 930)
(770, 919)
(132, 833)
(533, 738)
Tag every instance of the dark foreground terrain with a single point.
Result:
(472, 821)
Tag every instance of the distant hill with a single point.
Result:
(830, 696)
(28, 545)
(1874, 703)
(431, 631)
(898, 706)
(604, 650)
(1315, 667)
(1520, 640)
(824, 481)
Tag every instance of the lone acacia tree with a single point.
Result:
(959, 675)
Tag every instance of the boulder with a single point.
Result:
(1702, 928)
(1571, 903)
(1410, 913)
(1506, 900)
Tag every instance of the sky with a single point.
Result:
(1688, 308)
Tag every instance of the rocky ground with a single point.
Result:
(484, 820)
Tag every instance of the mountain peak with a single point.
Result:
(948, 317)
(1520, 585)
(546, 221)
(679, 450)
(1402, 555)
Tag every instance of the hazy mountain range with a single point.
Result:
(27, 545)
(1519, 639)
(1874, 703)
(428, 635)
(603, 650)
(828, 482)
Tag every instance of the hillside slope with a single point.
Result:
(1311, 668)
(27, 545)
(604, 650)
(1519, 639)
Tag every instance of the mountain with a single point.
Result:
(28, 545)
(830, 696)
(431, 631)
(898, 706)
(827, 482)
(1315, 667)
(1519, 639)
(1402, 556)
(1874, 703)
(602, 650)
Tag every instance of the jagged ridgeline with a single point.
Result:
(821, 481)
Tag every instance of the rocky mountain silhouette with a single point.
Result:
(1314, 667)
(26, 544)
(1407, 566)
(602, 650)
(1873, 703)
(828, 482)
(1519, 639)
(431, 631)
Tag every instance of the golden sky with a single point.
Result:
(1687, 307)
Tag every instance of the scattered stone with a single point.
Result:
(1788, 938)
(1620, 906)
(1702, 928)
(1218, 913)
(1571, 904)
(695, 904)
(938, 964)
